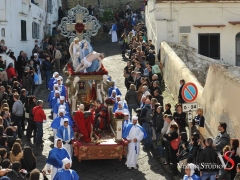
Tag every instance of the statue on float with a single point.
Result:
(73, 89)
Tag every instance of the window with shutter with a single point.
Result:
(38, 29)
(35, 30)
(23, 30)
(49, 6)
(209, 45)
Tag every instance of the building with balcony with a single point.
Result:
(211, 27)
(22, 22)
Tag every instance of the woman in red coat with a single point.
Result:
(11, 72)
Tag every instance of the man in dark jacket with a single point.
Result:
(47, 67)
(106, 31)
(223, 138)
(151, 58)
(138, 80)
(208, 161)
(146, 119)
(159, 97)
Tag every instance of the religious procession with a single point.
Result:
(73, 112)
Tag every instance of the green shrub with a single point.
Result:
(107, 16)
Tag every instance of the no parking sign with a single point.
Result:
(189, 92)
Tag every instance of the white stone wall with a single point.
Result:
(219, 97)
(168, 17)
(11, 14)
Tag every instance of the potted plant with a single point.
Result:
(109, 101)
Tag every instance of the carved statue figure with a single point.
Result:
(86, 49)
(105, 85)
(75, 52)
(73, 89)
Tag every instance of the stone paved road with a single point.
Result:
(149, 166)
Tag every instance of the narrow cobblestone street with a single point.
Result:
(149, 166)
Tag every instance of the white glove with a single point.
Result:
(44, 121)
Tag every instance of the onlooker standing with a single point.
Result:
(16, 172)
(90, 10)
(208, 156)
(146, 120)
(11, 72)
(183, 151)
(28, 160)
(151, 58)
(31, 103)
(17, 112)
(237, 177)
(180, 98)
(132, 99)
(106, 31)
(35, 175)
(16, 154)
(170, 136)
(57, 56)
(39, 118)
(223, 138)
(180, 117)
(47, 67)
(198, 122)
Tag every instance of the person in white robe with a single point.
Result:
(134, 133)
(121, 108)
(65, 132)
(114, 33)
(39, 81)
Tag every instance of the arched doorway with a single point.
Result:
(238, 49)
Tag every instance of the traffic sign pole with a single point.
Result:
(189, 95)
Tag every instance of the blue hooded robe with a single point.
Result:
(66, 175)
(56, 122)
(128, 128)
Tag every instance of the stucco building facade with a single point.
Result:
(22, 22)
(211, 27)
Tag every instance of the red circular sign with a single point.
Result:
(79, 27)
(189, 92)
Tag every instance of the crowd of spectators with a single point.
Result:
(18, 80)
(167, 130)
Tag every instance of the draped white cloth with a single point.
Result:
(114, 36)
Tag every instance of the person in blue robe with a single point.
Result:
(126, 121)
(61, 87)
(190, 170)
(55, 157)
(115, 107)
(65, 132)
(51, 94)
(66, 173)
(62, 90)
(51, 81)
(58, 121)
(113, 95)
(114, 88)
(63, 103)
(55, 99)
